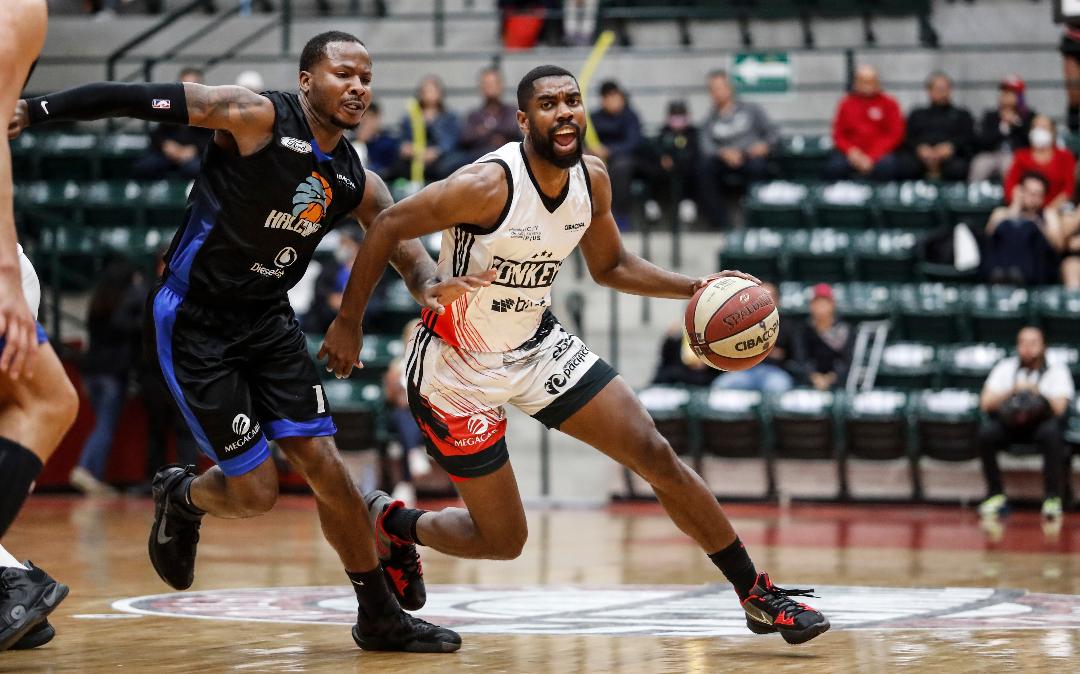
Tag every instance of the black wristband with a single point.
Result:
(149, 101)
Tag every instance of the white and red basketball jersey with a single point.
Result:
(527, 245)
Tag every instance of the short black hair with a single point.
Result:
(1033, 175)
(525, 86)
(610, 87)
(315, 49)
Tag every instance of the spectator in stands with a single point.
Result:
(1068, 244)
(114, 324)
(678, 147)
(866, 131)
(619, 130)
(1070, 52)
(414, 459)
(175, 149)
(331, 285)
(770, 375)
(378, 148)
(1020, 237)
(823, 345)
(678, 364)
(1057, 165)
(1025, 399)
(940, 137)
(442, 130)
(491, 125)
(1001, 131)
(736, 140)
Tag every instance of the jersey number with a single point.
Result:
(320, 398)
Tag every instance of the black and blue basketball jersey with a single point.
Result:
(252, 223)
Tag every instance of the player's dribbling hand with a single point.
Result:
(706, 280)
(341, 347)
(19, 121)
(17, 327)
(440, 293)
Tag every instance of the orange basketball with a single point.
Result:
(732, 324)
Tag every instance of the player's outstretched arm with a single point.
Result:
(22, 33)
(246, 115)
(475, 194)
(611, 265)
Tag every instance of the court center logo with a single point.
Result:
(630, 610)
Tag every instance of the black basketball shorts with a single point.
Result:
(240, 376)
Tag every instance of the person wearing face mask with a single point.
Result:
(1001, 131)
(1057, 165)
(939, 137)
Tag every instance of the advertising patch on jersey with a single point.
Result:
(631, 610)
(161, 104)
(526, 233)
(296, 145)
(527, 274)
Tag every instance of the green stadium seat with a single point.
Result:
(359, 413)
(731, 424)
(909, 205)
(844, 205)
(967, 366)
(68, 156)
(1072, 424)
(929, 312)
(876, 429)
(777, 205)
(670, 409)
(804, 424)
(754, 251)
(997, 313)
(24, 156)
(164, 203)
(399, 308)
(818, 255)
(858, 302)
(118, 151)
(908, 366)
(1058, 311)
(795, 300)
(885, 256)
(946, 424)
(802, 157)
(971, 203)
(111, 204)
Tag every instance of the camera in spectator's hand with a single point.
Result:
(1024, 409)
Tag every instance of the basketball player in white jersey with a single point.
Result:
(521, 210)
(37, 401)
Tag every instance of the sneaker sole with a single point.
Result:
(791, 636)
(378, 644)
(35, 616)
(35, 637)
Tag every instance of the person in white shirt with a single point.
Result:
(1025, 400)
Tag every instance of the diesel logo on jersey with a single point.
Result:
(529, 274)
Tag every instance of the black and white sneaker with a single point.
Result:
(175, 533)
(396, 630)
(27, 597)
(37, 636)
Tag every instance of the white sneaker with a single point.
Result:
(687, 211)
(405, 493)
(84, 481)
(419, 463)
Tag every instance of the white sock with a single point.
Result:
(7, 560)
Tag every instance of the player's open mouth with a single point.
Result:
(566, 137)
(353, 106)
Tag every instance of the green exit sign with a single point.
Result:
(761, 73)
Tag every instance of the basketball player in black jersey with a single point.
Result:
(37, 401)
(276, 178)
(608, 416)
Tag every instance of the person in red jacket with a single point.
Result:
(867, 128)
(1045, 158)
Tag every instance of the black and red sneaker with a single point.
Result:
(400, 560)
(770, 609)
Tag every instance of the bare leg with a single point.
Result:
(247, 495)
(615, 423)
(493, 527)
(342, 512)
(37, 411)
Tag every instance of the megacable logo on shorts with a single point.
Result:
(240, 424)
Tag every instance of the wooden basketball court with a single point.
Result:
(605, 590)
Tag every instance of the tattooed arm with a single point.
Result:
(239, 115)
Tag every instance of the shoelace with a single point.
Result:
(408, 559)
(780, 599)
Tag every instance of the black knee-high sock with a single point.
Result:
(19, 467)
(401, 522)
(737, 567)
(372, 595)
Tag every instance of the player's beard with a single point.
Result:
(341, 124)
(544, 145)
